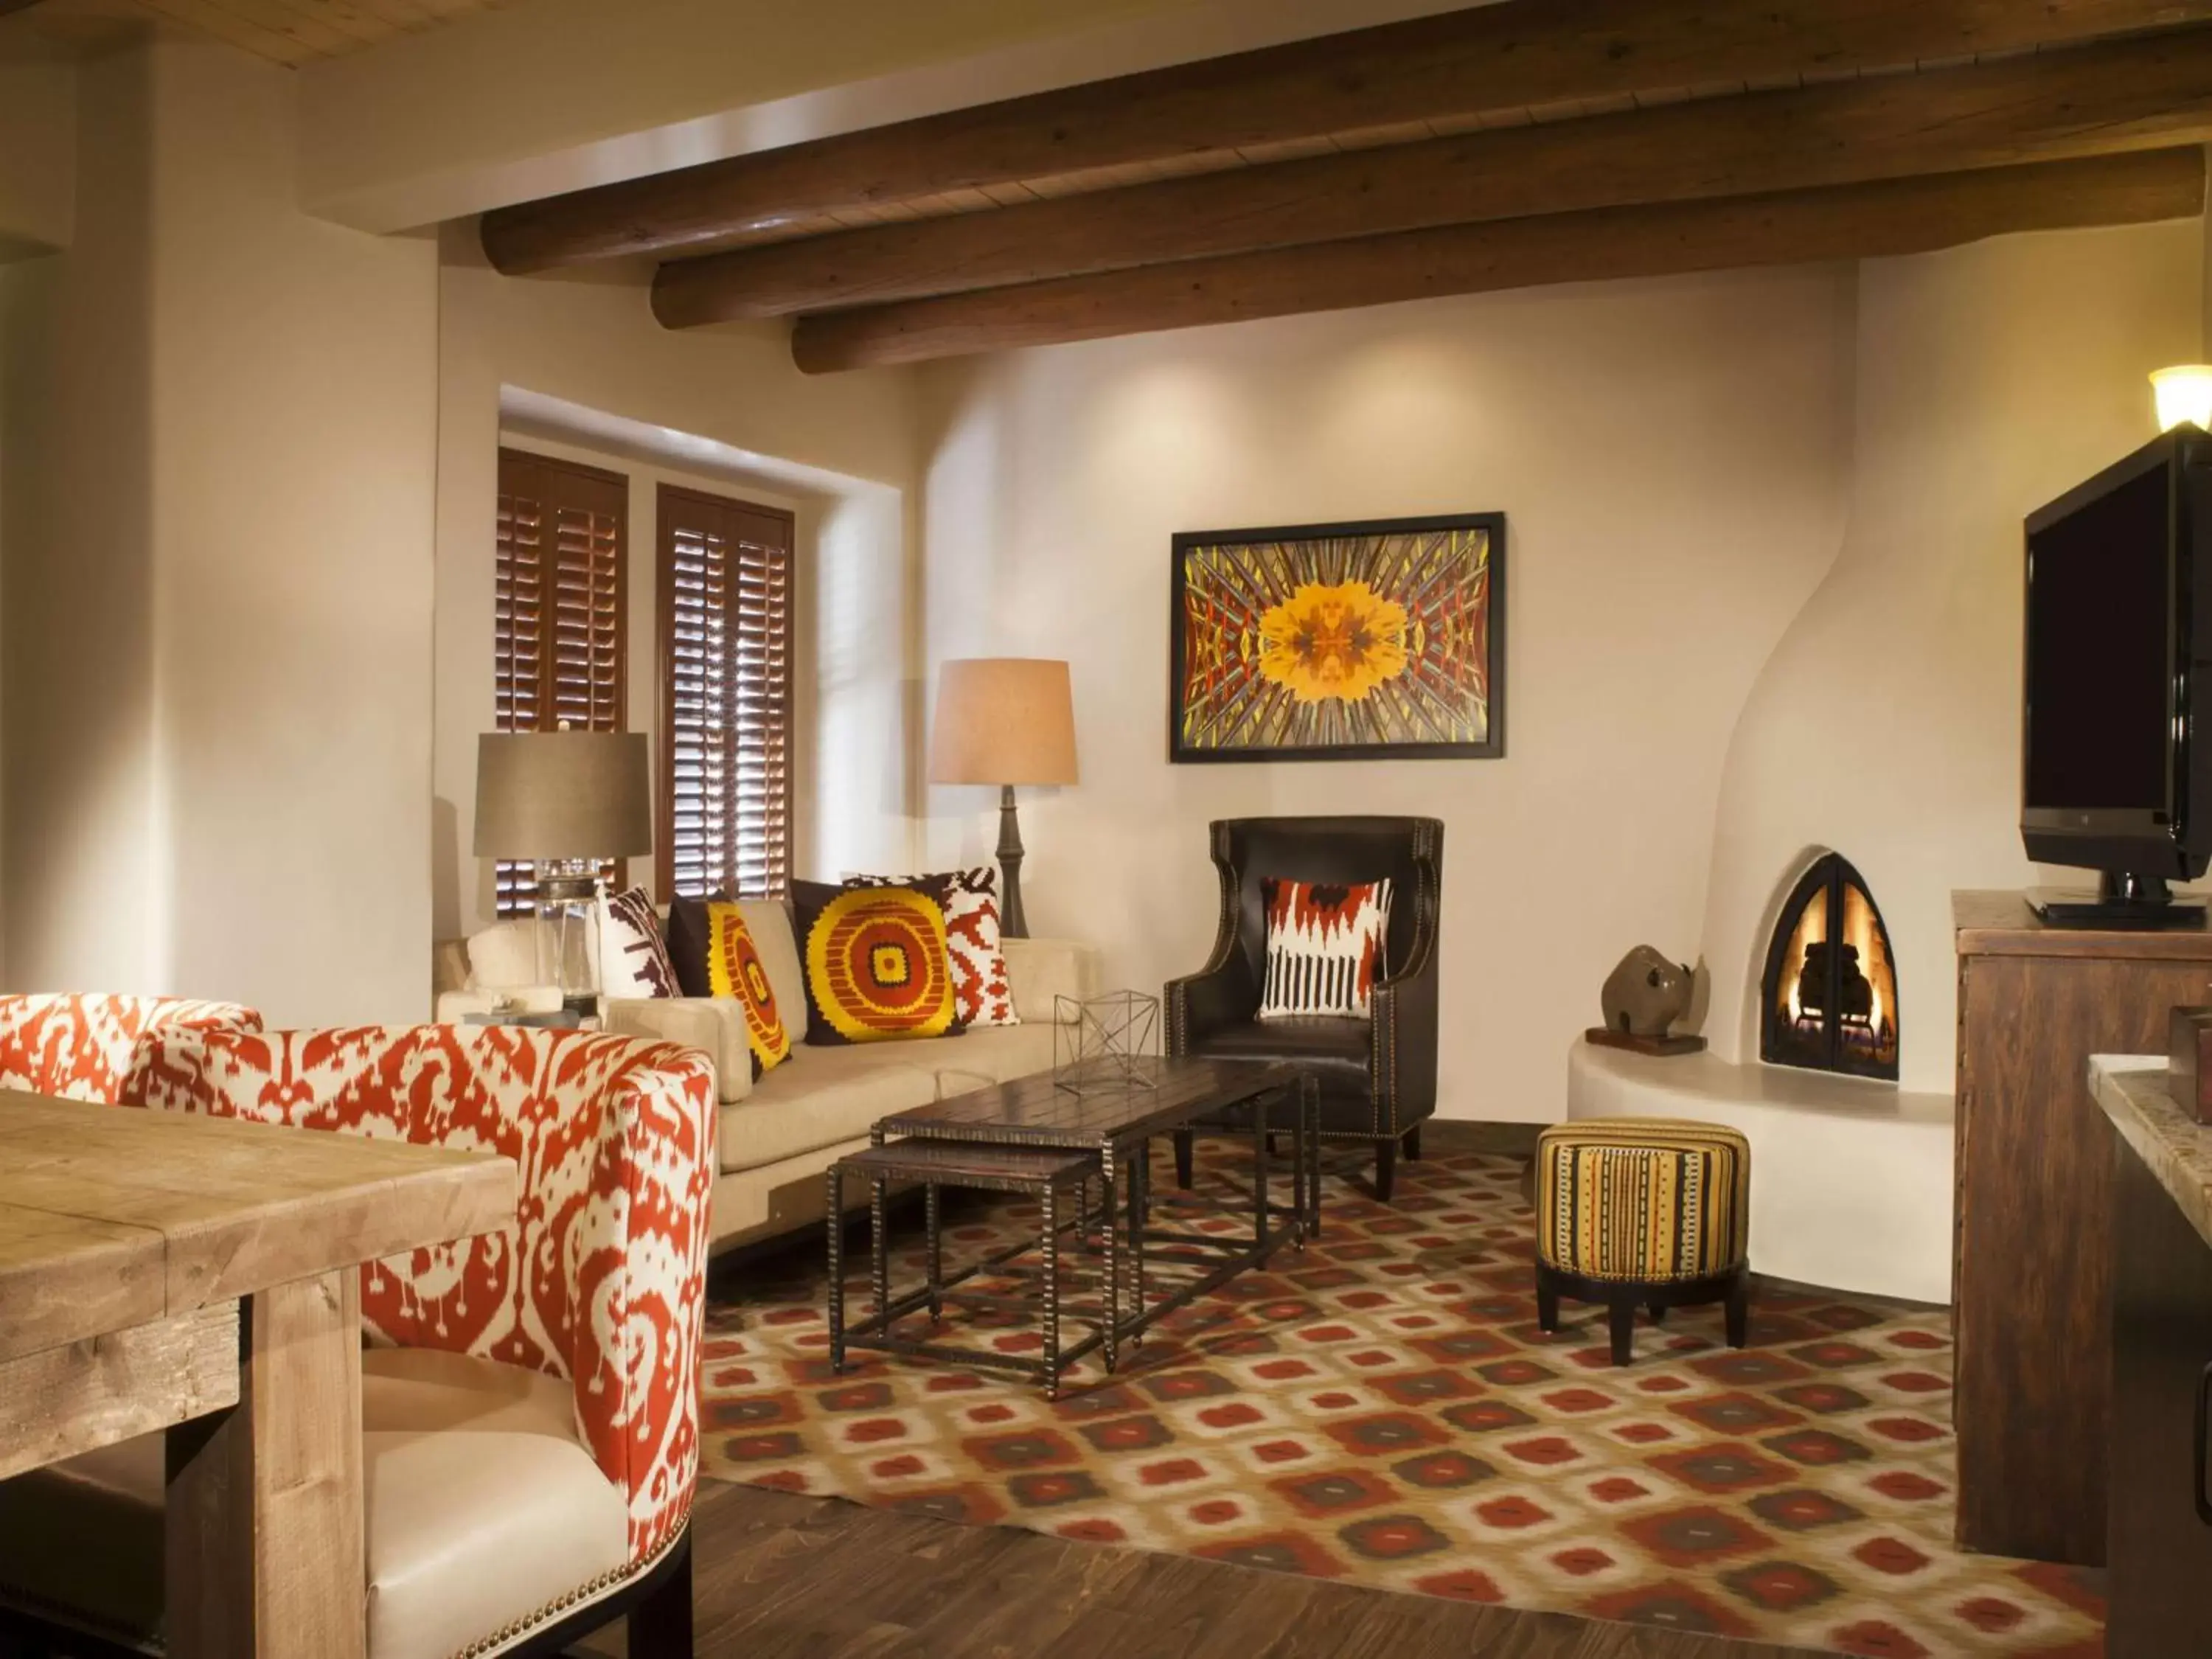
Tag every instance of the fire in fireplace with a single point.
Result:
(1828, 998)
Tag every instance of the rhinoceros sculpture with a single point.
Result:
(1646, 993)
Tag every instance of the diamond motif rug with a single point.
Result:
(1380, 1407)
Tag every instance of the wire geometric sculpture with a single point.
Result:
(1105, 1043)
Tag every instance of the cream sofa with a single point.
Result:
(780, 1135)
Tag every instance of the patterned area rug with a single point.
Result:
(1381, 1408)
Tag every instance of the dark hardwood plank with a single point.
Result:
(1851, 222)
(780, 1575)
(1485, 61)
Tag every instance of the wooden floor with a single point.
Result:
(816, 1578)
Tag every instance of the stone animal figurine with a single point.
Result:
(1646, 993)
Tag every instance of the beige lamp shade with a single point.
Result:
(563, 795)
(1003, 719)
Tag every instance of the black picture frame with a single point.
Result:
(1492, 746)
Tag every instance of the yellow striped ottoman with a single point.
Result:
(1642, 1211)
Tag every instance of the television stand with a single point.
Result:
(2124, 902)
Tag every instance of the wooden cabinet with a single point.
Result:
(2161, 1547)
(2032, 1273)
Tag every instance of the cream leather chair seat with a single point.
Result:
(467, 1461)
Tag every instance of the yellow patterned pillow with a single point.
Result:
(879, 963)
(734, 969)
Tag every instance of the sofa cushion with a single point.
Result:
(983, 1058)
(824, 1096)
(508, 955)
(482, 1509)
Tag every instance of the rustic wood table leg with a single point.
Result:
(264, 1552)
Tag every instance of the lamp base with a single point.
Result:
(568, 903)
(1013, 923)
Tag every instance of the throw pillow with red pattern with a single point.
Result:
(971, 928)
(1325, 942)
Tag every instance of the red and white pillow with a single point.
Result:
(971, 928)
(633, 959)
(1325, 943)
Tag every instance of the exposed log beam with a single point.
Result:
(1464, 65)
(2139, 93)
(1910, 215)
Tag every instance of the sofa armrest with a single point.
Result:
(713, 1024)
(1039, 969)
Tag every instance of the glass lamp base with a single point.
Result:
(568, 903)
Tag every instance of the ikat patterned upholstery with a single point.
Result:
(1642, 1200)
(84, 1046)
(601, 1283)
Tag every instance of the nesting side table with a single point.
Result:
(1046, 1174)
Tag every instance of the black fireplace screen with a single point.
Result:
(1829, 995)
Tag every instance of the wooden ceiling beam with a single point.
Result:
(1912, 216)
(2139, 93)
(1489, 61)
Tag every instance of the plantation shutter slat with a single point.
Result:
(557, 614)
(725, 597)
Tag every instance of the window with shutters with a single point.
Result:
(726, 578)
(557, 625)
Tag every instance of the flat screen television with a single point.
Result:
(2115, 775)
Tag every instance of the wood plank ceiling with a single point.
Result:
(1514, 144)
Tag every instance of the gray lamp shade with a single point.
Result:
(563, 795)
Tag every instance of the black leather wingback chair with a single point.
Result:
(1378, 1076)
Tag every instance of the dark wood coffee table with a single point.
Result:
(1116, 1122)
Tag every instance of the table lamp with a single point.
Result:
(565, 800)
(1004, 720)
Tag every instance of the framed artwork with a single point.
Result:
(1340, 642)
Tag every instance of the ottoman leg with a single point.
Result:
(1739, 1309)
(1547, 1306)
(1658, 1313)
(1183, 1146)
(1386, 1169)
(1620, 1319)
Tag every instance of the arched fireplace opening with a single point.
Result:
(1828, 998)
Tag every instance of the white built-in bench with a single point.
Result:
(1850, 1179)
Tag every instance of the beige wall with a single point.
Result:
(1672, 458)
(218, 458)
(77, 848)
(1990, 378)
(843, 448)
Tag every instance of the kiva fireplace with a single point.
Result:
(1828, 998)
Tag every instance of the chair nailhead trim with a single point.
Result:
(591, 1590)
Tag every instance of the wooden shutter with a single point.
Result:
(725, 631)
(557, 618)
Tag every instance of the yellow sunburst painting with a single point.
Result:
(1339, 640)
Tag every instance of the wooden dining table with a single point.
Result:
(200, 1276)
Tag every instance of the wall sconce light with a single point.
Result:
(2184, 394)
